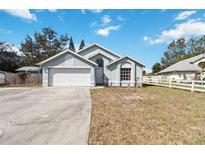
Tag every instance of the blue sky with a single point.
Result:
(142, 34)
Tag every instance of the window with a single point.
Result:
(99, 61)
(125, 74)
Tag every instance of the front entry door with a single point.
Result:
(99, 75)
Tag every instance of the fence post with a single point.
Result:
(170, 83)
(192, 86)
(157, 81)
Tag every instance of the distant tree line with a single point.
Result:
(178, 50)
(34, 49)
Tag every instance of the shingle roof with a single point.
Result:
(28, 69)
(184, 65)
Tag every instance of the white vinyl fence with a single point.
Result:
(194, 85)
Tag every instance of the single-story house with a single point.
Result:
(30, 69)
(91, 66)
(187, 69)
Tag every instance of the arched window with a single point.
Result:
(125, 72)
(99, 61)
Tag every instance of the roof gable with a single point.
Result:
(128, 58)
(64, 52)
(99, 53)
(184, 65)
(101, 47)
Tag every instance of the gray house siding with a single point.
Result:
(106, 62)
(139, 70)
(67, 60)
(136, 73)
(86, 59)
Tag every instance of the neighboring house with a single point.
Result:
(29, 69)
(187, 69)
(91, 66)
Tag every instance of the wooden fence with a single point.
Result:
(2, 77)
(18, 78)
(194, 85)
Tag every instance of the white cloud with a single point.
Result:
(145, 38)
(93, 24)
(41, 10)
(194, 27)
(162, 10)
(106, 30)
(147, 70)
(60, 18)
(13, 48)
(96, 10)
(106, 19)
(16, 49)
(22, 13)
(5, 31)
(120, 18)
(83, 11)
(52, 10)
(130, 46)
(185, 15)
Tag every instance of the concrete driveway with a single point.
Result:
(44, 115)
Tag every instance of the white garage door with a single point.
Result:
(69, 77)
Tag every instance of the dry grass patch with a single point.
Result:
(149, 115)
(19, 85)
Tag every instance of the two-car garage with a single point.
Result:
(69, 76)
(68, 69)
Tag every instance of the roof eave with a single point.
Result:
(63, 52)
(178, 71)
(128, 58)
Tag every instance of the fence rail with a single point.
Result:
(193, 85)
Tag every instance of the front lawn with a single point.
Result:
(149, 115)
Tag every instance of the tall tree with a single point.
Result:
(82, 45)
(200, 46)
(191, 45)
(42, 45)
(9, 59)
(202, 65)
(30, 53)
(175, 51)
(156, 68)
(182, 49)
(165, 61)
(71, 45)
